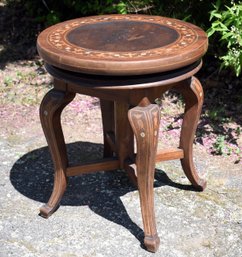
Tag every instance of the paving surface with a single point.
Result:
(100, 213)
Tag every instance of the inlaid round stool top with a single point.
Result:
(122, 44)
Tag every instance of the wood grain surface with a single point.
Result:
(127, 61)
(122, 44)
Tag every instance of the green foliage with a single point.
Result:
(8, 81)
(219, 145)
(228, 25)
(222, 147)
(217, 114)
(122, 8)
(54, 11)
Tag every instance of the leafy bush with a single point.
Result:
(54, 11)
(228, 24)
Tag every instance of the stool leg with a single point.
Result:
(50, 111)
(145, 120)
(123, 133)
(107, 109)
(124, 137)
(193, 96)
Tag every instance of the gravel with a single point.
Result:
(100, 213)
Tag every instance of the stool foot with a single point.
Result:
(144, 120)
(50, 111)
(46, 211)
(152, 243)
(201, 185)
(193, 96)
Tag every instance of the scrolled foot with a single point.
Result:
(200, 185)
(46, 211)
(152, 243)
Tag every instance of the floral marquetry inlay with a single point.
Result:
(57, 37)
(122, 44)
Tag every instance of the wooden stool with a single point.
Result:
(127, 61)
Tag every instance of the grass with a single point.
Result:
(22, 84)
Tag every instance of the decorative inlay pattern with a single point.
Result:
(57, 37)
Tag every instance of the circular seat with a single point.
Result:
(122, 44)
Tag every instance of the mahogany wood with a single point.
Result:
(192, 92)
(169, 154)
(84, 168)
(50, 110)
(132, 44)
(107, 110)
(123, 132)
(79, 81)
(145, 120)
(130, 168)
(128, 65)
(110, 140)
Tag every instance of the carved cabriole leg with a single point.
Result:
(145, 120)
(50, 111)
(192, 92)
(107, 109)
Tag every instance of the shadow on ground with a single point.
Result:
(32, 176)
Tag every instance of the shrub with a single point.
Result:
(228, 25)
(54, 11)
